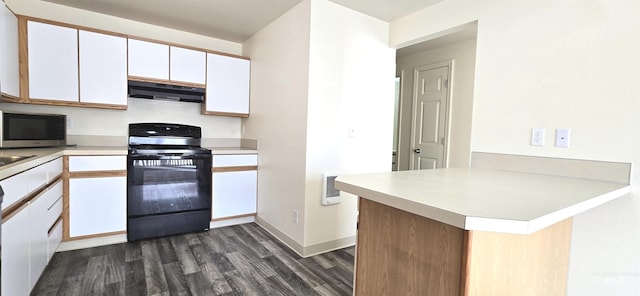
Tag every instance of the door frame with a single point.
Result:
(414, 110)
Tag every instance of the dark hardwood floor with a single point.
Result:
(234, 260)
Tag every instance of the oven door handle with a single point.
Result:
(169, 156)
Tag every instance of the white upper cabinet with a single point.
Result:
(9, 66)
(103, 68)
(187, 65)
(148, 59)
(53, 62)
(163, 62)
(227, 85)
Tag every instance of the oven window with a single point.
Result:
(165, 185)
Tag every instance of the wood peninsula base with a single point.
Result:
(400, 253)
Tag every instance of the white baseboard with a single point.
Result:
(92, 242)
(230, 222)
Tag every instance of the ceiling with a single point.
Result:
(232, 20)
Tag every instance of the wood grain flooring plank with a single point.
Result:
(93, 280)
(114, 289)
(247, 265)
(295, 281)
(135, 283)
(207, 262)
(198, 284)
(187, 262)
(247, 240)
(254, 230)
(71, 286)
(221, 287)
(213, 242)
(292, 263)
(114, 269)
(153, 271)
(166, 251)
(240, 285)
(176, 279)
(342, 286)
(133, 251)
(277, 283)
(327, 290)
(193, 239)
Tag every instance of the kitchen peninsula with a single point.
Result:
(501, 227)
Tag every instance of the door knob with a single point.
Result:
(417, 150)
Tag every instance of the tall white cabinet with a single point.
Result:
(9, 66)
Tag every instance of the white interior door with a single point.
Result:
(430, 120)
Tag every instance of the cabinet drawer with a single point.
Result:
(15, 188)
(52, 203)
(54, 168)
(235, 160)
(53, 239)
(97, 163)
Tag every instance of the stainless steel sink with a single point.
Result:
(5, 160)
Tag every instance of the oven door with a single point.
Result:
(167, 193)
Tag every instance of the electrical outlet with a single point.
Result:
(537, 136)
(295, 216)
(563, 137)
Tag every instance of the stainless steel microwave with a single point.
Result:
(23, 130)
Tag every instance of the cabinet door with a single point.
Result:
(227, 84)
(15, 253)
(97, 205)
(103, 68)
(9, 67)
(53, 62)
(187, 65)
(148, 59)
(234, 193)
(40, 222)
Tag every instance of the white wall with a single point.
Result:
(351, 84)
(317, 70)
(559, 64)
(463, 55)
(104, 122)
(279, 88)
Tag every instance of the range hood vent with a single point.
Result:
(160, 91)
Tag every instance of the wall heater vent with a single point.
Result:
(330, 195)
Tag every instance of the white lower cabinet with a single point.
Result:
(15, 253)
(234, 185)
(234, 193)
(26, 247)
(97, 205)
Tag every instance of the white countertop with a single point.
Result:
(484, 199)
(42, 155)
